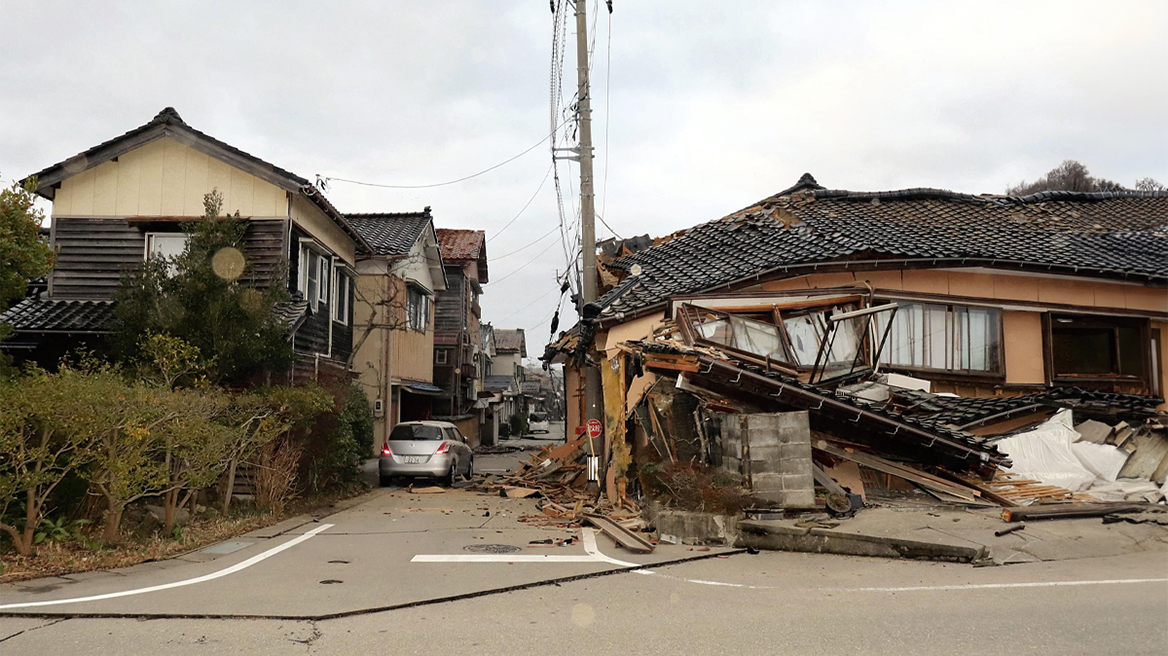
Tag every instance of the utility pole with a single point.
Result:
(589, 293)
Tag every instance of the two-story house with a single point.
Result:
(456, 335)
(393, 316)
(125, 201)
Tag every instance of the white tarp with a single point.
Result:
(1128, 489)
(1044, 454)
(1104, 460)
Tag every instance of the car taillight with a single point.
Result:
(385, 451)
(443, 448)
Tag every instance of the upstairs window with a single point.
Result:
(342, 290)
(943, 337)
(1097, 347)
(418, 309)
(440, 356)
(165, 246)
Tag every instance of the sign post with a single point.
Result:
(595, 430)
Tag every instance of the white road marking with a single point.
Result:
(591, 555)
(500, 558)
(995, 586)
(178, 584)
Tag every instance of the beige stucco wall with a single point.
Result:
(991, 286)
(506, 364)
(165, 178)
(1162, 326)
(1022, 348)
(312, 220)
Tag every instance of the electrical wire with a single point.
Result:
(499, 257)
(529, 201)
(533, 302)
(525, 265)
(537, 144)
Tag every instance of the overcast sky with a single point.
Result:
(707, 106)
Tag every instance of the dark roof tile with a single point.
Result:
(391, 233)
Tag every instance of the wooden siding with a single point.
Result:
(312, 221)
(165, 178)
(450, 310)
(93, 255)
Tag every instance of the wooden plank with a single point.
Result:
(848, 475)
(913, 475)
(620, 534)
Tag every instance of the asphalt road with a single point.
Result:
(409, 573)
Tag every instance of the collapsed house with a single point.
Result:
(821, 338)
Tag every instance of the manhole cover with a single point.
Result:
(491, 548)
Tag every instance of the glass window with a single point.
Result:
(325, 277)
(404, 432)
(341, 292)
(745, 335)
(417, 310)
(166, 246)
(942, 337)
(440, 356)
(1096, 346)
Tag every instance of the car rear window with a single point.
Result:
(415, 432)
(537, 417)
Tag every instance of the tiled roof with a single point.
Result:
(59, 316)
(960, 411)
(461, 244)
(1122, 234)
(510, 341)
(169, 120)
(292, 313)
(391, 234)
(36, 315)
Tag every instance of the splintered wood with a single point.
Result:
(557, 475)
(1023, 491)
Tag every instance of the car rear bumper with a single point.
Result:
(437, 465)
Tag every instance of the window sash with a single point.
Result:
(166, 245)
(955, 338)
(342, 285)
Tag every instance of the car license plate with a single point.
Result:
(413, 460)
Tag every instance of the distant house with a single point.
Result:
(510, 349)
(393, 316)
(125, 200)
(456, 337)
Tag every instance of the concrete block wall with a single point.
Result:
(774, 451)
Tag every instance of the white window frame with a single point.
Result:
(417, 313)
(324, 278)
(441, 356)
(342, 287)
(153, 237)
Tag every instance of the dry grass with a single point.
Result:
(57, 558)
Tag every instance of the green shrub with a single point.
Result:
(518, 424)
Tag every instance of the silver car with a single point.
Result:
(425, 448)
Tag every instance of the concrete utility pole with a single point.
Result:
(592, 392)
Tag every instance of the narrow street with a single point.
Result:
(456, 571)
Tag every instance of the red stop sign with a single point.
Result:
(595, 428)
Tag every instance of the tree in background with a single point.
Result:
(198, 297)
(23, 256)
(1073, 176)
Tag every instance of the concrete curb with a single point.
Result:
(780, 537)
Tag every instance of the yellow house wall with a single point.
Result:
(369, 356)
(312, 220)
(1163, 328)
(413, 350)
(165, 178)
(1022, 348)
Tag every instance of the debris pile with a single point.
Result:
(556, 474)
(875, 437)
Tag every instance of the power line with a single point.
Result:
(533, 302)
(450, 182)
(529, 201)
(528, 263)
(499, 257)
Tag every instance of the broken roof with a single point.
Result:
(462, 246)
(168, 123)
(1109, 234)
(392, 234)
(510, 341)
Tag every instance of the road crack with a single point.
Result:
(42, 626)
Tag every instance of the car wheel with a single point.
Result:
(453, 475)
(470, 469)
